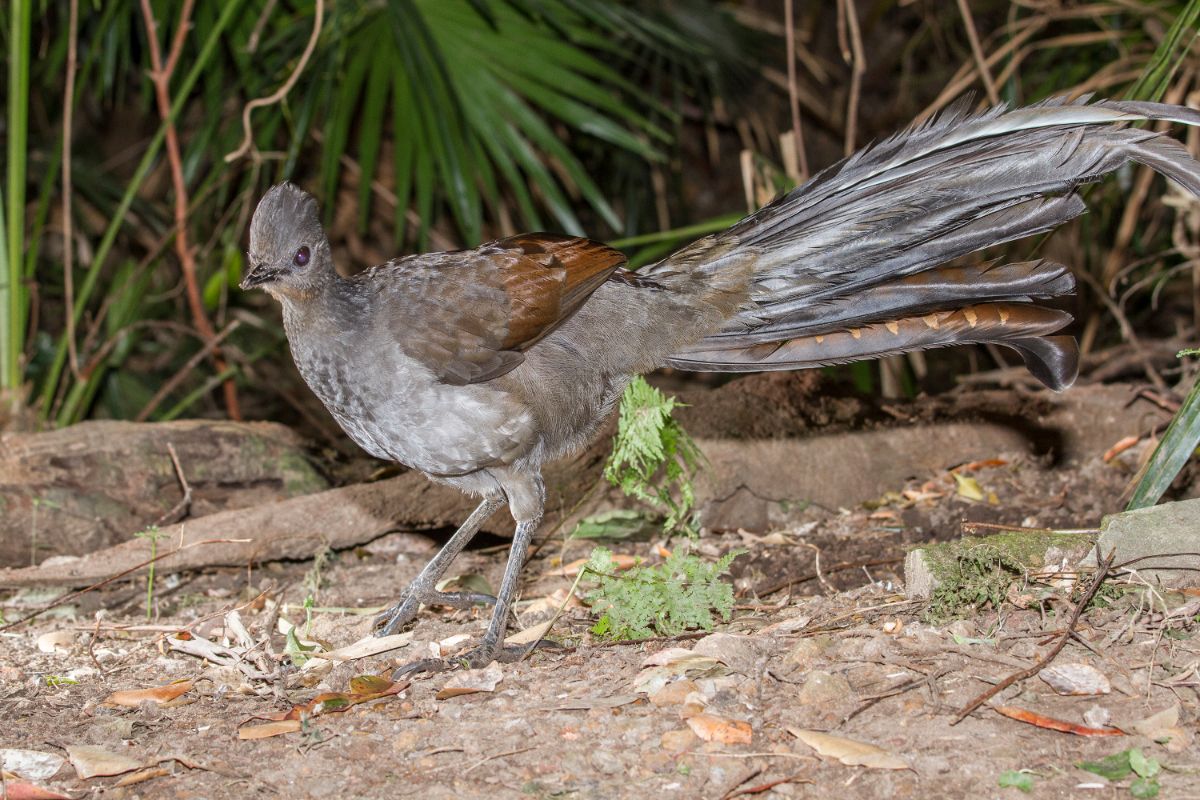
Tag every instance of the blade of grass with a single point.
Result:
(1177, 446)
(1168, 56)
(16, 299)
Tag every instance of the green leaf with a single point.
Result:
(1143, 766)
(295, 650)
(1016, 779)
(1112, 767)
(1144, 787)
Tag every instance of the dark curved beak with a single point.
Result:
(258, 275)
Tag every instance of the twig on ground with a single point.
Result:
(506, 753)
(969, 527)
(1101, 573)
(762, 787)
(738, 780)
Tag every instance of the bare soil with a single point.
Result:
(822, 638)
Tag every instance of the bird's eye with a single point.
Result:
(301, 257)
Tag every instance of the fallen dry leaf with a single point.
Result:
(471, 681)
(1049, 723)
(90, 761)
(363, 688)
(665, 666)
(551, 603)
(1074, 679)
(56, 642)
(848, 751)
(1164, 726)
(32, 764)
(588, 703)
(19, 790)
(712, 728)
(531, 634)
(143, 775)
(159, 695)
(968, 487)
(268, 729)
(367, 646)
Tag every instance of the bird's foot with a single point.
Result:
(475, 658)
(406, 608)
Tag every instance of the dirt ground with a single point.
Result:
(822, 639)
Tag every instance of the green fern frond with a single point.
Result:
(683, 593)
(653, 457)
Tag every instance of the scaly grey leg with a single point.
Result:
(491, 648)
(421, 589)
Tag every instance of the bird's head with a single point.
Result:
(289, 254)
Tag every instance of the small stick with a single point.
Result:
(762, 787)
(180, 509)
(483, 761)
(973, 527)
(1101, 573)
(749, 774)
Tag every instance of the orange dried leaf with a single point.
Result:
(1120, 447)
(19, 790)
(1049, 723)
(712, 728)
(143, 775)
(362, 689)
(132, 698)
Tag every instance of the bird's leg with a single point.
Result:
(421, 590)
(491, 648)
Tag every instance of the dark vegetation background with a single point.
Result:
(437, 124)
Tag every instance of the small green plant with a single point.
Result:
(296, 651)
(1125, 763)
(1017, 779)
(653, 457)
(981, 577)
(153, 534)
(55, 681)
(662, 600)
